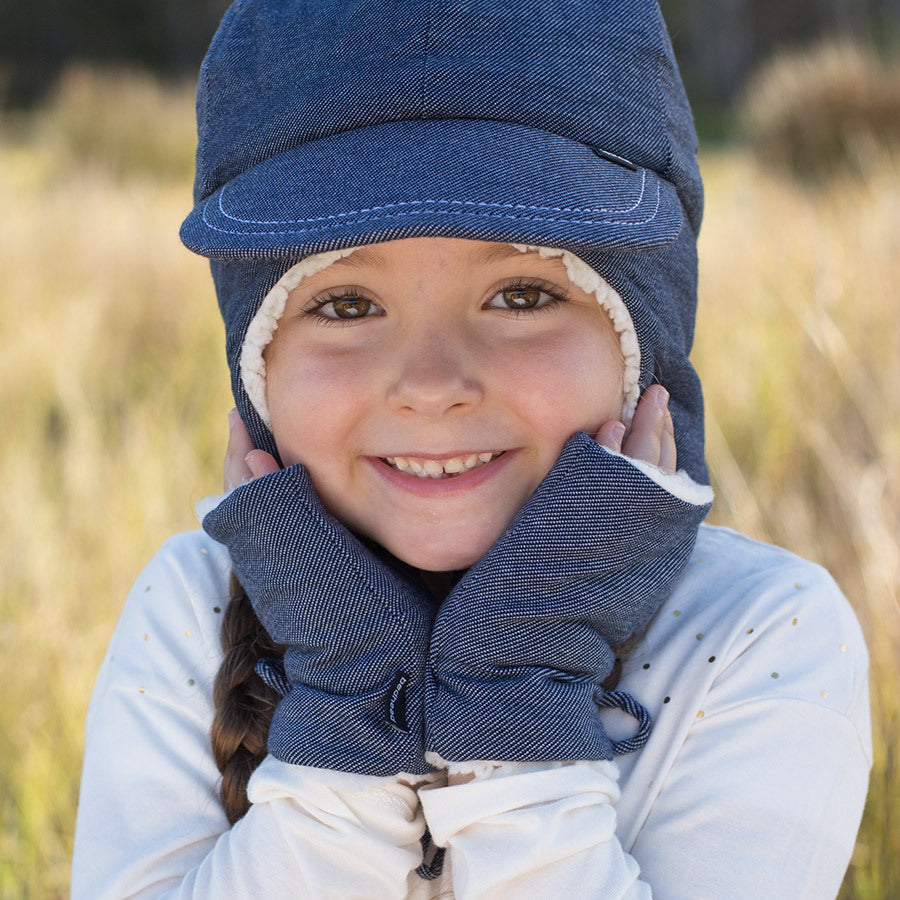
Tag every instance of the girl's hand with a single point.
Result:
(651, 437)
(243, 462)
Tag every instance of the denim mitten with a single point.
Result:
(356, 629)
(521, 645)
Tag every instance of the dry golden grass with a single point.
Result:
(816, 110)
(115, 393)
(114, 399)
(799, 349)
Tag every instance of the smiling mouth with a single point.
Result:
(440, 468)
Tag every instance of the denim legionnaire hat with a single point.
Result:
(326, 125)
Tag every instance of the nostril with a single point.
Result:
(433, 395)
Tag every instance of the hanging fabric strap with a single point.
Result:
(627, 703)
(432, 859)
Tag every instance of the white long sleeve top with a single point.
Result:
(752, 783)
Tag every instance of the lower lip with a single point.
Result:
(443, 487)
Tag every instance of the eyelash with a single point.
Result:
(314, 309)
(556, 295)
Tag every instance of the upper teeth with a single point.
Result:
(438, 468)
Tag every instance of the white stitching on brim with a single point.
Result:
(263, 325)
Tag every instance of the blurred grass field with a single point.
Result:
(114, 393)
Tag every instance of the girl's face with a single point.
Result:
(465, 359)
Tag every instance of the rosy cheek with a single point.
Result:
(305, 403)
(569, 385)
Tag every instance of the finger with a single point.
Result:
(243, 462)
(261, 463)
(610, 436)
(644, 438)
(236, 471)
(668, 453)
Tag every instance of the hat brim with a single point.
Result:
(483, 180)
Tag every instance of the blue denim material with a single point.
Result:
(510, 668)
(356, 629)
(326, 124)
(521, 645)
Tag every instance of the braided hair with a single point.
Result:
(243, 703)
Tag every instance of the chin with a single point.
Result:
(438, 562)
(440, 556)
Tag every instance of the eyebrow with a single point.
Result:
(370, 256)
(496, 252)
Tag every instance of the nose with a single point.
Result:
(435, 377)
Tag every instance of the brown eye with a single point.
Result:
(520, 298)
(348, 308)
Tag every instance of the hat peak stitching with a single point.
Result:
(437, 201)
(326, 220)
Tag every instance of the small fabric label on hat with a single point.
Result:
(618, 160)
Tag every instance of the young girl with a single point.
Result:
(456, 629)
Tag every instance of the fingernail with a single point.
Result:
(232, 419)
(248, 460)
(662, 397)
(618, 435)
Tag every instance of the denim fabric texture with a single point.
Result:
(356, 629)
(521, 645)
(326, 124)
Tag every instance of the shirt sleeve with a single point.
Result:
(761, 793)
(534, 832)
(150, 824)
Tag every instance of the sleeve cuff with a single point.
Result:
(679, 484)
(450, 810)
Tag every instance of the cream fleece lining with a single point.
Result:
(262, 327)
(483, 768)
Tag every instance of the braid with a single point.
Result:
(243, 703)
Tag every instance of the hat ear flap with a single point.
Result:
(240, 288)
(659, 288)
